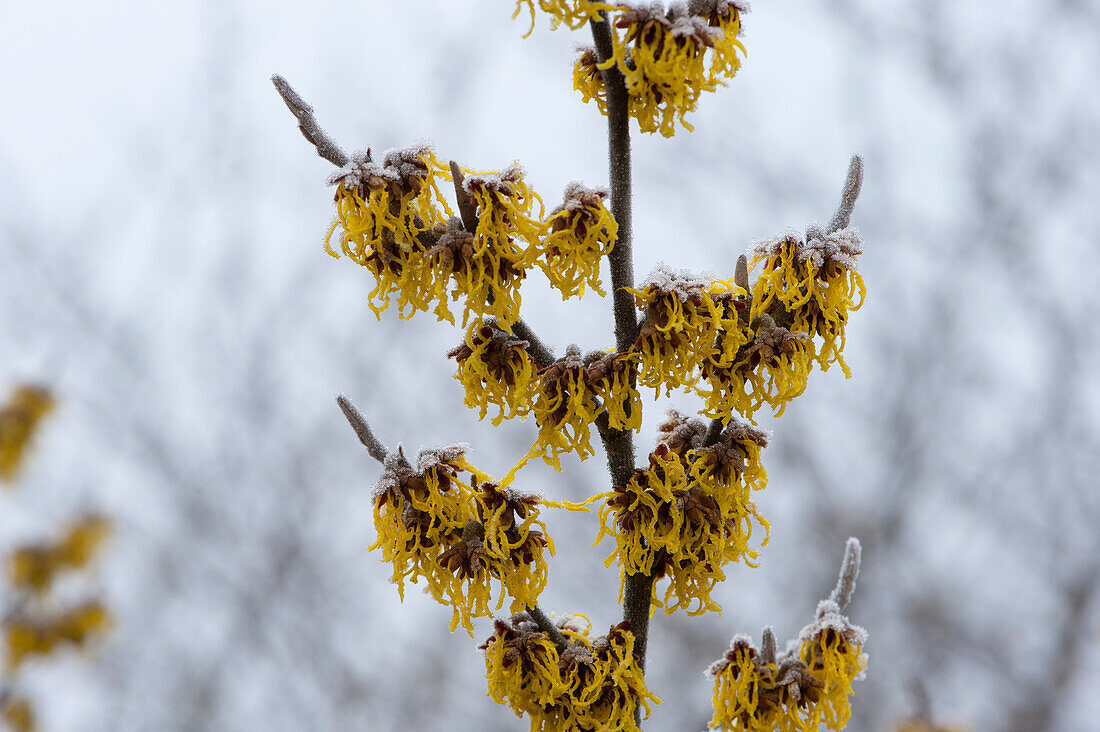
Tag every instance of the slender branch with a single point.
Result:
(467, 207)
(548, 627)
(741, 273)
(848, 196)
(618, 153)
(849, 572)
(359, 423)
(307, 123)
(768, 645)
(619, 444)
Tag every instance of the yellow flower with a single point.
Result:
(573, 392)
(581, 232)
(588, 79)
(612, 377)
(385, 214)
(772, 368)
(689, 513)
(565, 408)
(82, 540)
(34, 567)
(521, 666)
(78, 626)
(82, 624)
(25, 638)
(684, 315)
(728, 471)
(488, 267)
(744, 691)
(668, 59)
(725, 15)
(471, 547)
(509, 519)
(832, 650)
(591, 684)
(573, 13)
(17, 713)
(495, 370)
(19, 420)
(815, 285)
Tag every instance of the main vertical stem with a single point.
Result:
(619, 444)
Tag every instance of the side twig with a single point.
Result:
(307, 123)
(359, 423)
(548, 627)
(849, 572)
(848, 196)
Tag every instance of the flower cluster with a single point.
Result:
(812, 286)
(737, 351)
(690, 512)
(687, 319)
(667, 58)
(574, 391)
(581, 232)
(467, 544)
(19, 420)
(495, 369)
(797, 692)
(590, 684)
(385, 215)
(79, 626)
(34, 567)
(393, 220)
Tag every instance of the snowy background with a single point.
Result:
(161, 269)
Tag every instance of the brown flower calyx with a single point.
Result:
(581, 206)
(629, 511)
(501, 354)
(602, 645)
(833, 253)
(402, 172)
(600, 366)
(716, 11)
(651, 25)
(520, 635)
(698, 507)
(500, 184)
(771, 342)
(456, 248)
(727, 457)
(468, 557)
(515, 503)
(576, 654)
(794, 681)
(681, 433)
(739, 645)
